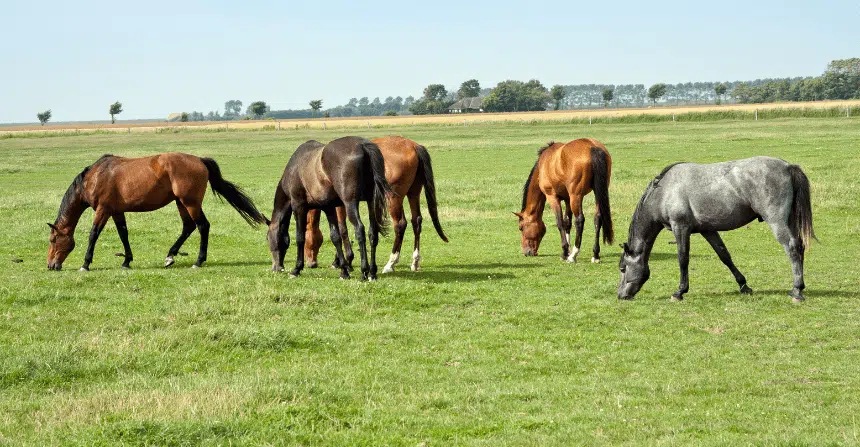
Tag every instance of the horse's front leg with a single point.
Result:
(122, 229)
(717, 244)
(682, 238)
(301, 213)
(99, 223)
(555, 205)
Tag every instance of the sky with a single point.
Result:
(157, 57)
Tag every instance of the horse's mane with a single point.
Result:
(532, 173)
(651, 186)
(75, 189)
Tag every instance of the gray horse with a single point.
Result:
(695, 198)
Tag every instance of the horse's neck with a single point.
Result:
(535, 198)
(69, 219)
(643, 231)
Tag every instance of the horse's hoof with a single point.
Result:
(277, 269)
(294, 275)
(676, 298)
(195, 266)
(312, 265)
(745, 290)
(796, 296)
(126, 267)
(388, 269)
(570, 260)
(797, 300)
(168, 261)
(84, 269)
(625, 298)
(595, 260)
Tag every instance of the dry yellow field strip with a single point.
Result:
(463, 119)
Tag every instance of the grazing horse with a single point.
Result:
(695, 198)
(567, 173)
(408, 170)
(113, 186)
(324, 177)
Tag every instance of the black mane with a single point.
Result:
(532, 172)
(74, 190)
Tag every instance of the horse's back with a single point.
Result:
(401, 162)
(726, 195)
(568, 166)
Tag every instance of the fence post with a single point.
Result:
(464, 123)
(324, 128)
(129, 130)
(756, 114)
(279, 125)
(673, 117)
(226, 126)
(368, 124)
(589, 120)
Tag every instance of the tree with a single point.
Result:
(115, 109)
(608, 94)
(232, 108)
(656, 92)
(183, 117)
(435, 92)
(391, 113)
(557, 94)
(44, 117)
(316, 105)
(515, 96)
(720, 90)
(469, 89)
(258, 109)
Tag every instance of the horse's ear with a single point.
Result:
(53, 227)
(624, 247)
(520, 215)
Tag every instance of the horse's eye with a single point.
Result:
(623, 269)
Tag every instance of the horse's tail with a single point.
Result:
(233, 194)
(600, 186)
(800, 219)
(426, 169)
(380, 186)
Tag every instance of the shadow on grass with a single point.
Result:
(811, 293)
(448, 276)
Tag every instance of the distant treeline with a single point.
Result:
(841, 80)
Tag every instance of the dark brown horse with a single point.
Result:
(408, 169)
(113, 186)
(323, 177)
(567, 173)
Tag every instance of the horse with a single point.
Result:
(323, 177)
(407, 169)
(113, 186)
(567, 173)
(690, 198)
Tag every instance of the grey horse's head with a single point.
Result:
(634, 272)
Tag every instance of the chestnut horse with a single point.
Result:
(408, 170)
(567, 173)
(324, 177)
(113, 186)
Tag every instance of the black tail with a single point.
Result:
(233, 194)
(800, 220)
(380, 186)
(600, 186)
(426, 168)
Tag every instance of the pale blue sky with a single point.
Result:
(159, 57)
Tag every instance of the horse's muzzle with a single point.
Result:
(55, 266)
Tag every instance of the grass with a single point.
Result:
(482, 347)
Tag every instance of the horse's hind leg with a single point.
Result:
(301, 214)
(314, 238)
(122, 229)
(374, 240)
(682, 238)
(596, 250)
(348, 255)
(279, 233)
(187, 228)
(794, 248)
(717, 244)
(199, 218)
(354, 218)
(415, 210)
(334, 233)
(579, 224)
(395, 208)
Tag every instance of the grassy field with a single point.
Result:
(482, 347)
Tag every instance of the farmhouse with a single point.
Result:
(467, 105)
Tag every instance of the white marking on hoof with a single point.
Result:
(573, 254)
(293, 275)
(168, 261)
(83, 269)
(416, 260)
(595, 260)
(393, 260)
(195, 266)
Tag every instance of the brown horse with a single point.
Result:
(113, 186)
(341, 173)
(408, 170)
(567, 173)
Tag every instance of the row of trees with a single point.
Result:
(115, 109)
(841, 80)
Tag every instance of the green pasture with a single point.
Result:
(481, 347)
